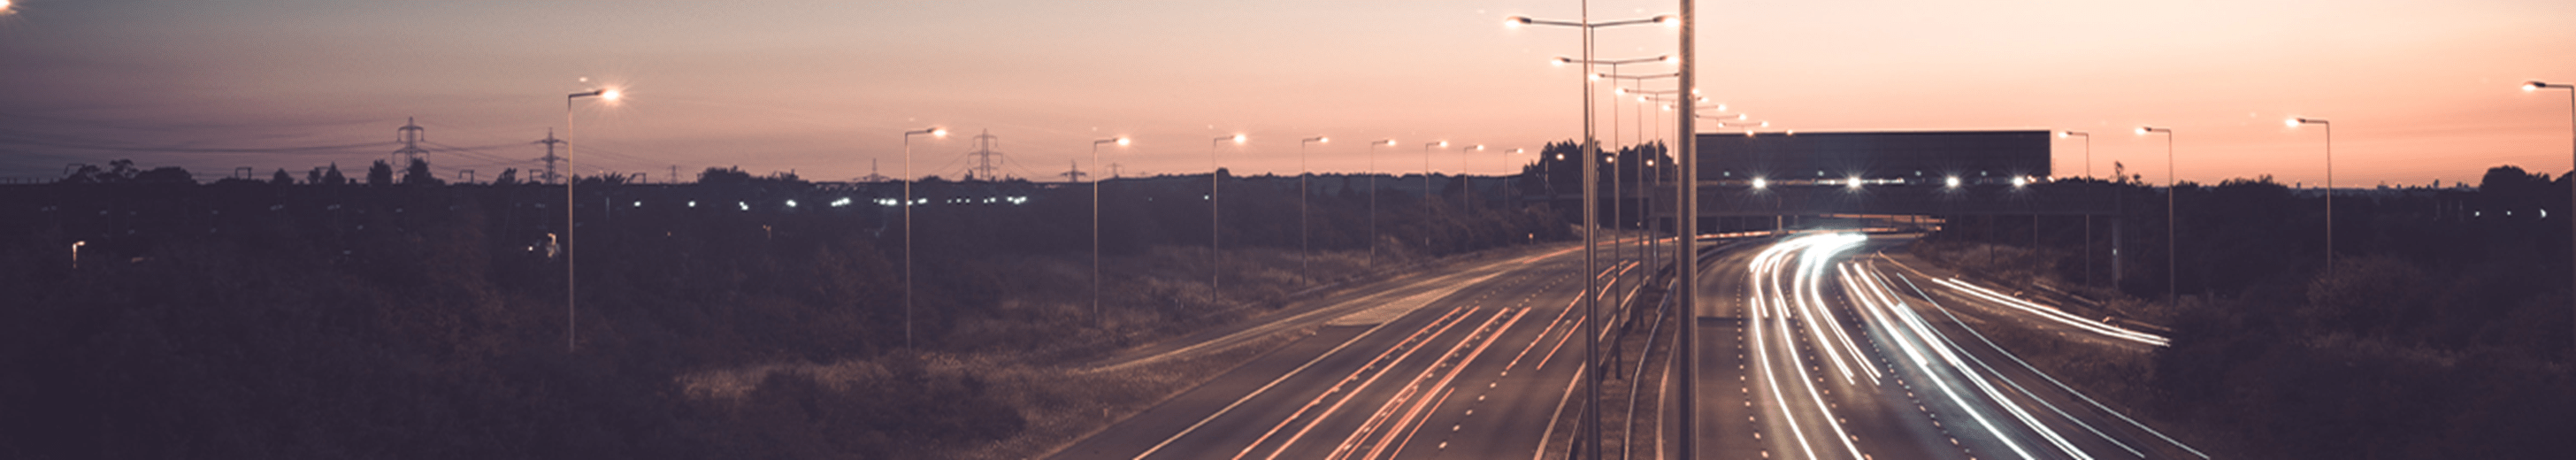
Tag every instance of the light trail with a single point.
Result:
(2053, 314)
(2052, 380)
(1814, 250)
(1450, 319)
(1923, 364)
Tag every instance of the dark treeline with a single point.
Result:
(332, 319)
(2443, 328)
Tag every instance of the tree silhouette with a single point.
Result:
(380, 174)
(281, 178)
(507, 177)
(418, 174)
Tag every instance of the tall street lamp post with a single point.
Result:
(1097, 321)
(2088, 218)
(908, 179)
(1591, 216)
(1467, 187)
(1427, 192)
(1214, 272)
(1686, 340)
(1372, 258)
(2330, 192)
(2571, 123)
(1305, 244)
(570, 318)
(2170, 247)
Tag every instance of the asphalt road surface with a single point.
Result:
(1472, 364)
(1820, 347)
(1812, 346)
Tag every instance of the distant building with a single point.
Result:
(1876, 157)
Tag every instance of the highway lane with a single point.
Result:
(1811, 350)
(1470, 365)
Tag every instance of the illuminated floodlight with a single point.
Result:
(1760, 183)
(1952, 182)
(2019, 181)
(1853, 182)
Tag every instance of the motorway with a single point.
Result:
(1471, 364)
(1822, 347)
(1813, 346)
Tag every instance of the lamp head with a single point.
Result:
(1669, 20)
(2534, 85)
(610, 94)
(2064, 134)
(938, 131)
(2142, 130)
(1444, 144)
(1323, 139)
(1515, 21)
(1123, 141)
(1670, 59)
(1561, 60)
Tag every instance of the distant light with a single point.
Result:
(745, 206)
(1953, 182)
(791, 203)
(639, 204)
(693, 203)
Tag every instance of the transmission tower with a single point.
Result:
(410, 135)
(550, 158)
(872, 173)
(1074, 175)
(985, 157)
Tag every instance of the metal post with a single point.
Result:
(1686, 349)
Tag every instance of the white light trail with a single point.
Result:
(2054, 314)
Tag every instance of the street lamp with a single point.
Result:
(2170, 247)
(1213, 258)
(1427, 192)
(1305, 245)
(570, 303)
(1590, 214)
(1097, 321)
(1372, 259)
(2088, 218)
(2294, 123)
(2571, 122)
(1467, 186)
(908, 179)
(1508, 199)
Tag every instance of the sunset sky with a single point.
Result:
(2416, 90)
